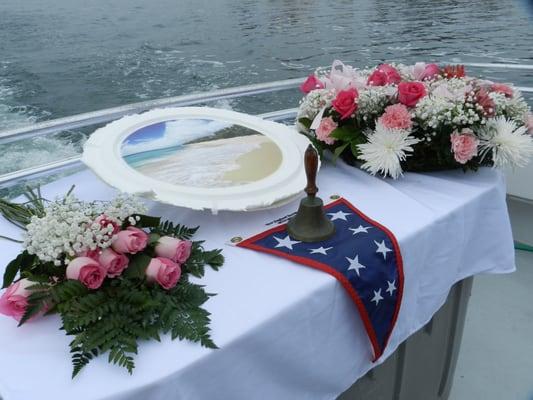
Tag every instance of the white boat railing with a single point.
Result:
(101, 116)
(64, 164)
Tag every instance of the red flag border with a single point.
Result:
(377, 350)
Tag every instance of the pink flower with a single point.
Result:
(503, 89)
(396, 117)
(105, 222)
(423, 71)
(311, 83)
(464, 145)
(175, 249)
(14, 301)
(486, 102)
(94, 254)
(409, 93)
(114, 263)
(327, 125)
(87, 271)
(163, 271)
(344, 103)
(132, 240)
(377, 78)
(392, 73)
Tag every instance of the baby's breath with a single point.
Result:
(68, 227)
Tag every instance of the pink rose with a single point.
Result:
(396, 117)
(87, 271)
(175, 249)
(94, 254)
(409, 93)
(392, 73)
(344, 103)
(114, 263)
(14, 301)
(377, 78)
(503, 89)
(327, 125)
(163, 271)
(132, 240)
(107, 222)
(464, 145)
(311, 83)
(426, 71)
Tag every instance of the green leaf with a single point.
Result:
(11, 271)
(342, 133)
(37, 302)
(23, 260)
(153, 238)
(167, 228)
(137, 266)
(305, 122)
(338, 151)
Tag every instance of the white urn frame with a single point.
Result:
(102, 153)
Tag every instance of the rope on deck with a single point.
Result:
(523, 246)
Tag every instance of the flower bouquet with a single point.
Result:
(114, 275)
(396, 118)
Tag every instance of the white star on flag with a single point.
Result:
(355, 264)
(287, 242)
(382, 248)
(391, 287)
(377, 297)
(360, 229)
(321, 250)
(339, 215)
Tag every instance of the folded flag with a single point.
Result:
(363, 256)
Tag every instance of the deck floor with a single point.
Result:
(496, 357)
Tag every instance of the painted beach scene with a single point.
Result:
(202, 153)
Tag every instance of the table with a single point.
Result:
(285, 331)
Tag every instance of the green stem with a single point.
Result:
(11, 239)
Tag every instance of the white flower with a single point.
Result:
(68, 227)
(509, 144)
(385, 150)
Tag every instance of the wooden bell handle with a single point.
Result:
(311, 168)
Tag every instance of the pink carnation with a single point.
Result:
(464, 145)
(396, 117)
(327, 125)
(486, 102)
(503, 89)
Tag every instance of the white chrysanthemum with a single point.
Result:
(514, 107)
(385, 150)
(508, 144)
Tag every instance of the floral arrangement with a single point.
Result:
(114, 275)
(395, 118)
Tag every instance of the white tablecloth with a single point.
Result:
(285, 331)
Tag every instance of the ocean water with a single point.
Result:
(62, 57)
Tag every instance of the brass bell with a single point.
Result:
(310, 223)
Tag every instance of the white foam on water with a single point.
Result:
(29, 152)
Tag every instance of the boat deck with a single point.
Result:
(496, 357)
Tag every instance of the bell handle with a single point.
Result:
(311, 168)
